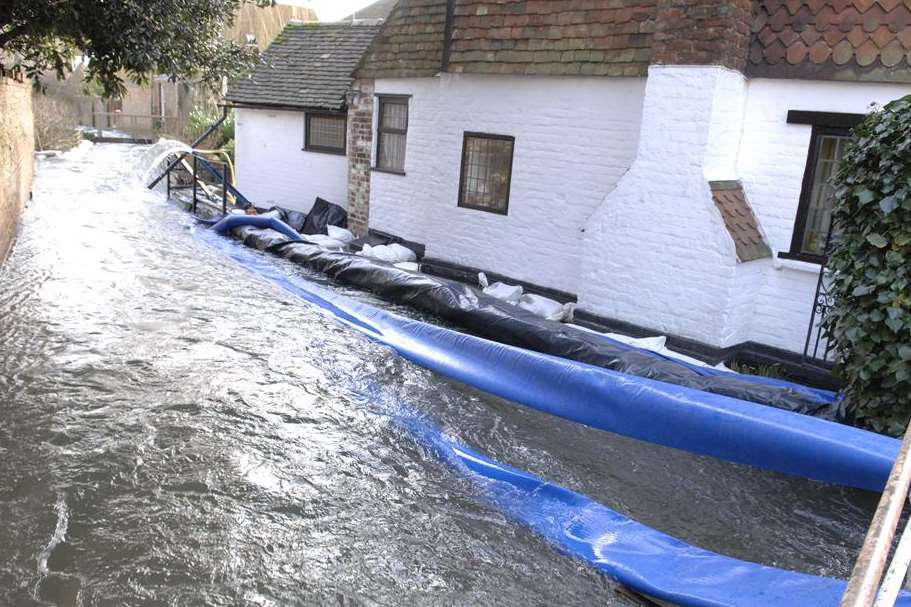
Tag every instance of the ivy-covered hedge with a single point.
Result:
(870, 322)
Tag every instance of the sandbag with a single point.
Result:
(340, 234)
(502, 291)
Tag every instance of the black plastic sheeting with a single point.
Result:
(491, 318)
(322, 215)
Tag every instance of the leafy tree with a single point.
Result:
(122, 38)
(871, 269)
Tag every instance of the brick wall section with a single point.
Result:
(17, 149)
(703, 32)
(410, 44)
(554, 37)
(360, 149)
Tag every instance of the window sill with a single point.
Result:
(786, 261)
(328, 151)
(388, 171)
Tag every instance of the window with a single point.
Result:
(486, 172)
(392, 134)
(814, 215)
(159, 99)
(831, 133)
(326, 133)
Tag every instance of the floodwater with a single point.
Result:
(176, 431)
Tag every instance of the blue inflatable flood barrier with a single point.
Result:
(638, 557)
(634, 555)
(648, 410)
(487, 317)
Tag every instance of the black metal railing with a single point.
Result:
(208, 181)
(819, 349)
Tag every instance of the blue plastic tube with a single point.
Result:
(648, 410)
(634, 555)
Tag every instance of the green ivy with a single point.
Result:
(870, 322)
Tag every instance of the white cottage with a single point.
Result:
(291, 115)
(663, 163)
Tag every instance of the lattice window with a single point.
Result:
(486, 172)
(326, 133)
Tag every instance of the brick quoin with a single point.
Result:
(360, 155)
(703, 32)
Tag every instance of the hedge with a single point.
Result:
(870, 264)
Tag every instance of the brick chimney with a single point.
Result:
(703, 32)
(667, 249)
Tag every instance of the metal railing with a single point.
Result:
(209, 180)
(867, 586)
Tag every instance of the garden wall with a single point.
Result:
(17, 147)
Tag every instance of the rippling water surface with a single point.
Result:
(175, 431)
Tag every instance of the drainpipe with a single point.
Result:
(447, 35)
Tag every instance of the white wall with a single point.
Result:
(575, 137)
(272, 168)
(657, 253)
(772, 160)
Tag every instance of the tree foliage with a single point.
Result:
(871, 269)
(122, 39)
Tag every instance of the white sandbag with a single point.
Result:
(393, 253)
(509, 293)
(403, 253)
(411, 266)
(325, 242)
(340, 234)
(547, 308)
(657, 345)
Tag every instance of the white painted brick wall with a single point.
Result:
(771, 164)
(575, 137)
(657, 252)
(273, 168)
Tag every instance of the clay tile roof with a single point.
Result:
(308, 67)
(739, 220)
(585, 37)
(832, 39)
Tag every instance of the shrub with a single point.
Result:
(56, 122)
(202, 118)
(870, 322)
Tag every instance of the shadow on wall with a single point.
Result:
(17, 156)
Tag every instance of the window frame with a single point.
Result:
(823, 123)
(322, 149)
(806, 193)
(380, 130)
(512, 154)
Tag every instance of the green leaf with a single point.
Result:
(905, 353)
(877, 240)
(895, 324)
(864, 195)
(888, 204)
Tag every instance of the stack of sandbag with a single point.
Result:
(536, 304)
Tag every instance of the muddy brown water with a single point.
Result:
(176, 431)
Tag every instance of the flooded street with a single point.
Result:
(176, 431)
